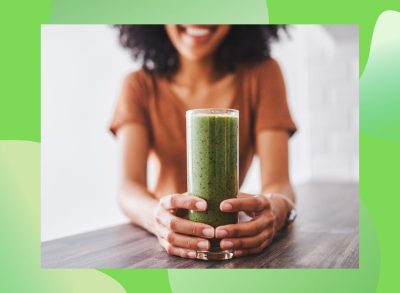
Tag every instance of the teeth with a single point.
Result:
(197, 32)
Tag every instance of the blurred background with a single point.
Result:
(82, 67)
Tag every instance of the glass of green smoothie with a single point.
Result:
(212, 137)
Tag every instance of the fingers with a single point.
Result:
(178, 251)
(250, 228)
(183, 226)
(242, 252)
(183, 241)
(183, 201)
(247, 242)
(245, 203)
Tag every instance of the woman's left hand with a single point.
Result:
(253, 236)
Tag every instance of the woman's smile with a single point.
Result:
(194, 41)
(195, 34)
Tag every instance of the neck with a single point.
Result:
(195, 72)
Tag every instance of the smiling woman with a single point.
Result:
(186, 67)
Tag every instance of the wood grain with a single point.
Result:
(325, 235)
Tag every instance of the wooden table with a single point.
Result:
(325, 235)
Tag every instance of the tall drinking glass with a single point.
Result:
(212, 168)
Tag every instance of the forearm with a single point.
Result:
(281, 206)
(138, 204)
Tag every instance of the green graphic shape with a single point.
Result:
(20, 68)
(20, 228)
(380, 86)
(141, 280)
(159, 12)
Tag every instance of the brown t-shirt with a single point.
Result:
(147, 100)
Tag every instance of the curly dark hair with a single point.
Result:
(151, 45)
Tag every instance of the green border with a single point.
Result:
(20, 149)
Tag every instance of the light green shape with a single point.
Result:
(20, 230)
(380, 86)
(159, 12)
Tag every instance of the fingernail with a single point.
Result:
(201, 205)
(221, 233)
(209, 232)
(226, 206)
(227, 244)
(238, 252)
(192, 254)
(202, 244)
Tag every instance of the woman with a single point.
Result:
(202, 66)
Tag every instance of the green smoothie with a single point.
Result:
(212, 142)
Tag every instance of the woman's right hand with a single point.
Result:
(179, 236)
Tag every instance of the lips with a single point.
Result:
(197, 33)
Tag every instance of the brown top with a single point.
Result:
(147, 100)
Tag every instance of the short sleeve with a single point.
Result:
(131, 105)
(272, 110)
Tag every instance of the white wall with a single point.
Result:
(321, 74)
(82, 68)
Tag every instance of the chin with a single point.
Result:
(196, 57)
